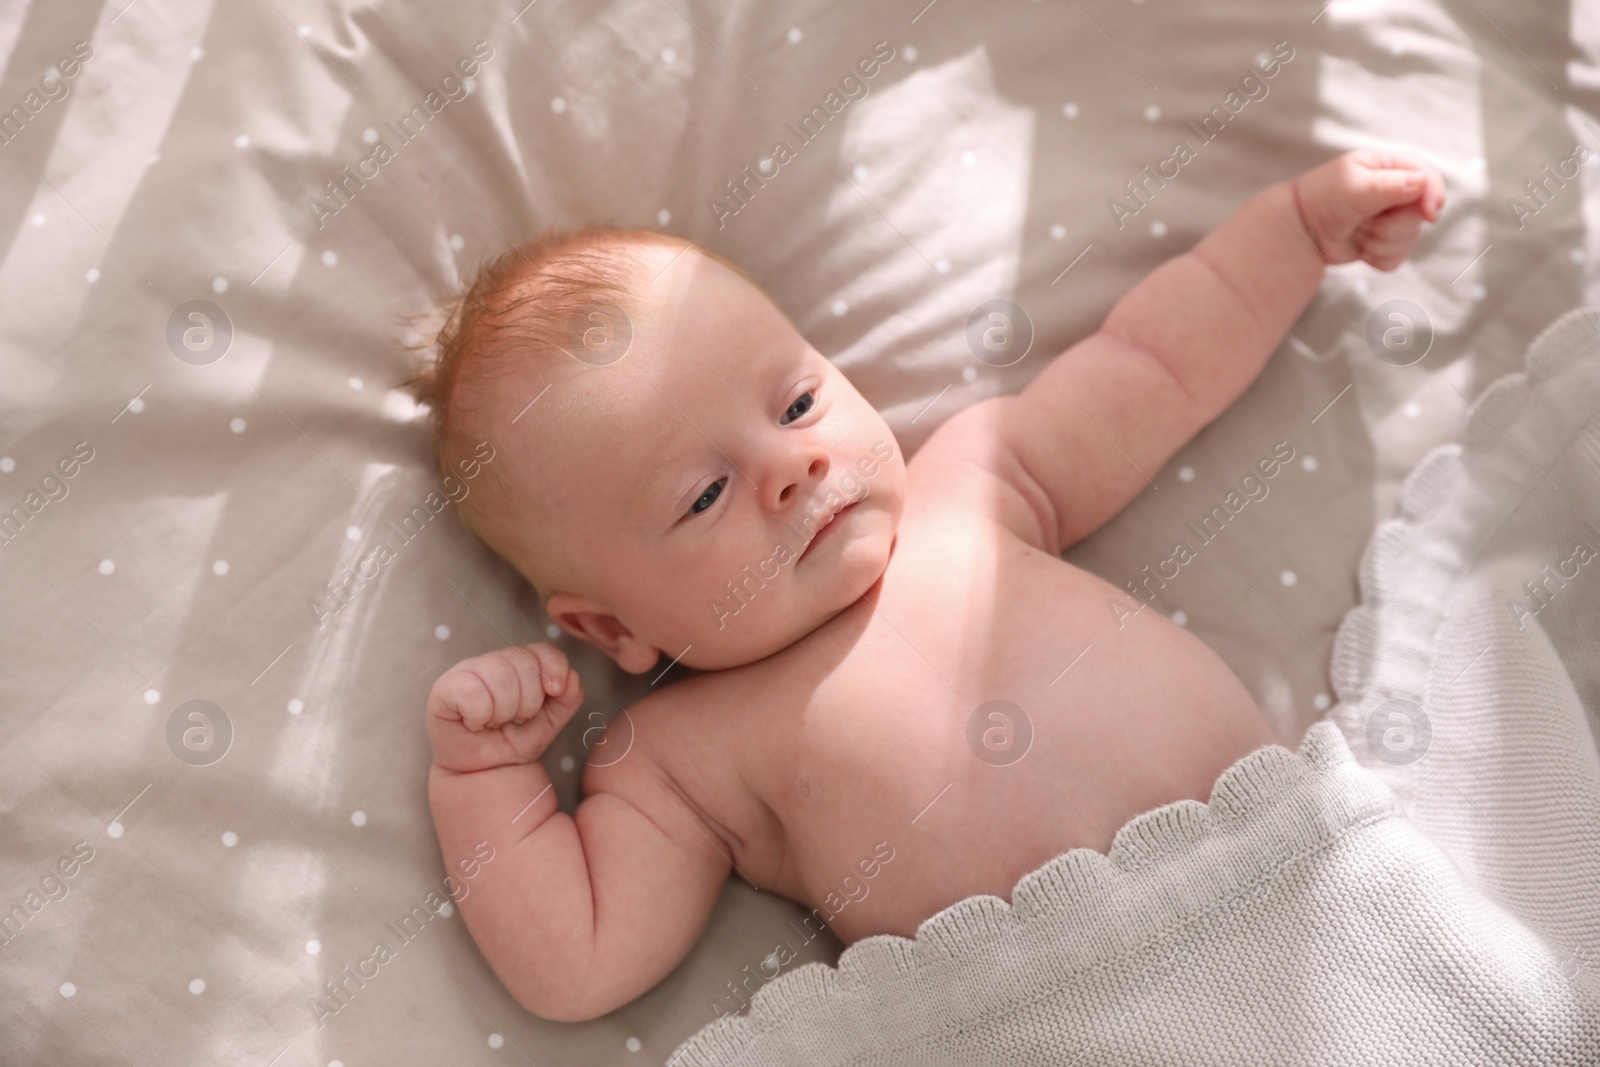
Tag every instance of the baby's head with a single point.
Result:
(666, 445)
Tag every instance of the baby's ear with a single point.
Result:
(588, 621)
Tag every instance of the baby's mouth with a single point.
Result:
(831, 522)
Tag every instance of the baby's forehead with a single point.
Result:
(702, 312)
(595, 313)
(692, 274)
(671, 342)
(707, 349)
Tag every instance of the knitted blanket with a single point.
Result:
(1419, 884)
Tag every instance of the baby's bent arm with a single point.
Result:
(1082, 439)
(1214, 315)
(1086, 433)
(579, 914)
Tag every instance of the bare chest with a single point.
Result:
(990, 710)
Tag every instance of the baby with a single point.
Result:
(896, 676)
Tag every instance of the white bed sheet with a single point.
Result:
(184, 558)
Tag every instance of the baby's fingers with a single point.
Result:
(1390, 179)
(1395, 227)
(530, 738)
(463, 695)
(1374, 192)
(542, 672)
(1386, 241)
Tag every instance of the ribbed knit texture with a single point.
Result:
(1343, 905)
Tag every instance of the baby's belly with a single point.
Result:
(977, 726)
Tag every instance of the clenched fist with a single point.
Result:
(1369, 204)
(501, 708)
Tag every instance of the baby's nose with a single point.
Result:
(798, 479)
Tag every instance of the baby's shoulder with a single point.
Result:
(677, 754)
(678, 730)
(968, 473)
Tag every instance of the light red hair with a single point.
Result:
(516, 313)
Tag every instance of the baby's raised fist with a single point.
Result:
(501, 708)
(1369, 204)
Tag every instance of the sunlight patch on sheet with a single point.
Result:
(944, 159)
(345, 617)
(401, 406)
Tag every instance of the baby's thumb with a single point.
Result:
(1385, 189)
(570, 698)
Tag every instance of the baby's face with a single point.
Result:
(689, 478)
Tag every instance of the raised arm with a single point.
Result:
(1090, 429)
(577, 914)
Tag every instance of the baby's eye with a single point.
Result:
(801, 405)
(708, 497)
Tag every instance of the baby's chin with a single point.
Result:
(814, 591)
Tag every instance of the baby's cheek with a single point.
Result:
(800, 790)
